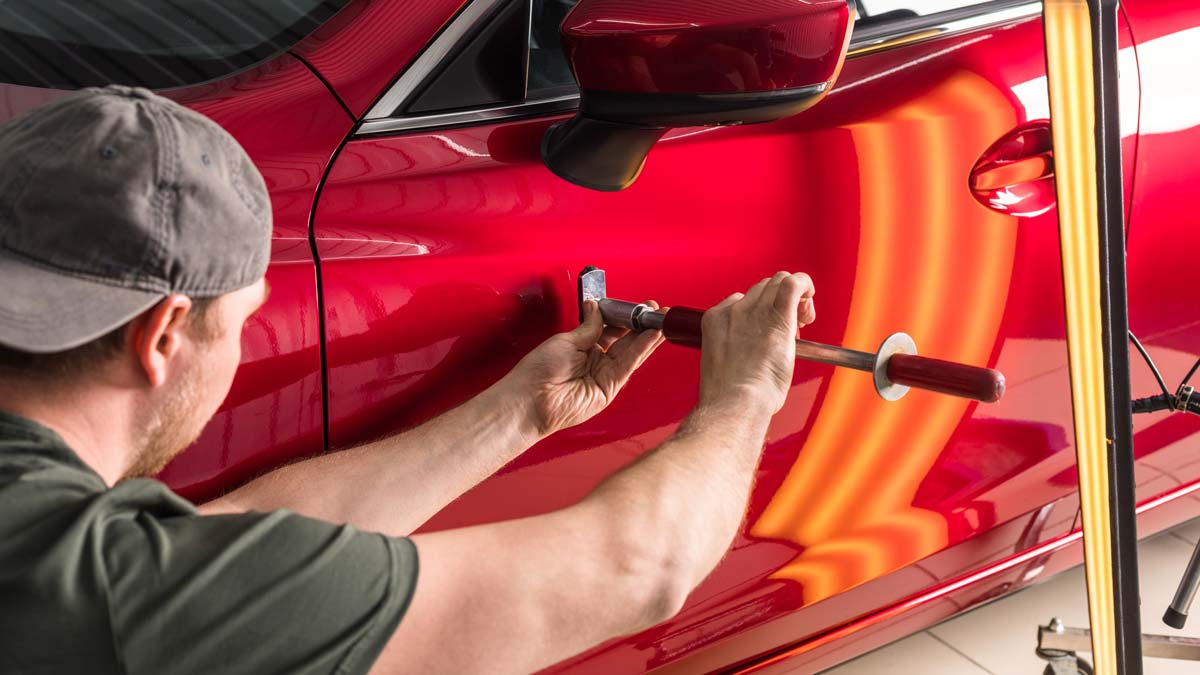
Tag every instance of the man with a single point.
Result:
(134, 235)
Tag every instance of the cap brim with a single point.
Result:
(42, 311)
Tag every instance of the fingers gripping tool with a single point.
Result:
(895, 367)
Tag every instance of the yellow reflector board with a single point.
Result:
(1073, 58)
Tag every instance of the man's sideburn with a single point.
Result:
(178, 418)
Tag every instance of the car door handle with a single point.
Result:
(1016, 175)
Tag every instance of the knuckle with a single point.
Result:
(713, 318)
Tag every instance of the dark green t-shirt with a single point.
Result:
(132, 580)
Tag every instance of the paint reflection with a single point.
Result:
(943, 278)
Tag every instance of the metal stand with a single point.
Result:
(1176, 614)
(1063, 659)
(1060, 645)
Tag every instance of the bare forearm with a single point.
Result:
(627, 555)
(396, 484)
(617, 562)
(680, 506)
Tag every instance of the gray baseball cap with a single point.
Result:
(110, 200)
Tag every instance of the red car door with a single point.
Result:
(916, 197)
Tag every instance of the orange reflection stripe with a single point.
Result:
(848, 497)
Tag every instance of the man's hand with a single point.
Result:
(749, 348)
(627, 555)
(573, 376)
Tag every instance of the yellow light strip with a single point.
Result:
(1072, 100)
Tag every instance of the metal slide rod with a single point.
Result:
(1081, 59)
(1177, 612)
(805, 349)
(895, 368)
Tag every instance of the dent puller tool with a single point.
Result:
(896, 367)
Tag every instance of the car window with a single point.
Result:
(66, 44)
(549, 74)
(515, 57)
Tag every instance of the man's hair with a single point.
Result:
(76, 361)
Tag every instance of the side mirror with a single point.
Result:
(648, 66)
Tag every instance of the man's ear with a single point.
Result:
(157, 336)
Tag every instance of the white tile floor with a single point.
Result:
(999, 638)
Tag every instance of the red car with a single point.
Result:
(422, 247)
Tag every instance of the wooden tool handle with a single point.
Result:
(956, 379)
(681, 326)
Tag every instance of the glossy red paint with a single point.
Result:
(1162, 234)
(447, 254)
(661, 46)
(362, 49)
(956, 595)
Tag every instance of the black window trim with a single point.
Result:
(381, 118)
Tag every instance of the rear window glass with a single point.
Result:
(67, 44)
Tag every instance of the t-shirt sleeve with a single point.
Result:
(252, 593)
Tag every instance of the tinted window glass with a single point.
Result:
(549, 74)
(67, 44)
(489, 69)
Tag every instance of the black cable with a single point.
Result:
(1191, 372)
(1153, 368)
(1183, 400)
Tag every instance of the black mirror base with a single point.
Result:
(604, 147)
(597, 154)
(701, 110)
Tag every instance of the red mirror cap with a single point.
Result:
(705, 46)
